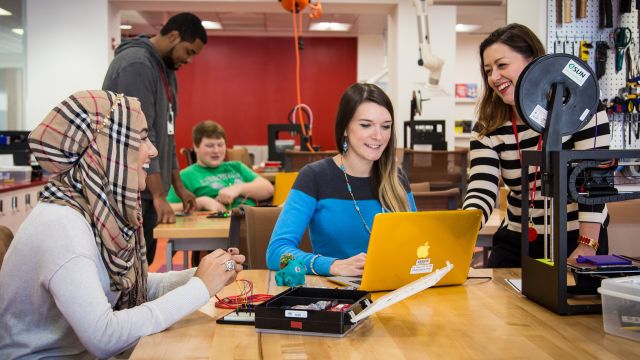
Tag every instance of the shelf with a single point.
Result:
(466, 101)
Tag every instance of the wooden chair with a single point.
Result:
(420, 187)
(442, 169)
(294, 160)
(283, 184)
(5, 240)
(437, 200)
(189, 155)
(256, 224)
(240, 154)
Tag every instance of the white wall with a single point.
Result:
(467, 67)
(372, 57)
(405, 75)
(67, 47)
(533, 14)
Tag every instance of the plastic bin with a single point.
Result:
(15, 173)
(621, 306)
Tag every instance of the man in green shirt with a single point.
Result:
(217, 184)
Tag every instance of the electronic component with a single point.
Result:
(218, 214)
(241, 317)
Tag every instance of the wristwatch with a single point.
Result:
(588, 241)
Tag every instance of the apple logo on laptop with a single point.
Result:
(423, 250)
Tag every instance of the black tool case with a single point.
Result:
(276, 315)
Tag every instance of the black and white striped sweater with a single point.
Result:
(496, 154)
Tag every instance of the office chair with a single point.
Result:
(437, 200)
(442, 169)
(282, 185)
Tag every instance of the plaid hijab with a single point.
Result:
(89, 143)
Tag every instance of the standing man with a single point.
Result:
(144, 67)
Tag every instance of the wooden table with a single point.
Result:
(193, 232)
(484, 319)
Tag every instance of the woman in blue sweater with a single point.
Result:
(338, 197)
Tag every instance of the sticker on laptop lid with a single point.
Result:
(423, 264)
(421, 269)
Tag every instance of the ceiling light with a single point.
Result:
(125, 27)
(4, 12)
(211, 25)
(466, 27)
(329, 26)
(18, 31)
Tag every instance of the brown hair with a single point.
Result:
(492, 111)
(384, 174)
(207, 129)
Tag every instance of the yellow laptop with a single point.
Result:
(409, 245)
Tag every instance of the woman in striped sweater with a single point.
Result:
(497, 141)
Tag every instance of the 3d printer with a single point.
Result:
(557, 95)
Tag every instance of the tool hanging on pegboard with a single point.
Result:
(585, 47)
(613, 33)
(606, 14)
(625, 6)
(602, 49)
(581, 9)
(621, 37)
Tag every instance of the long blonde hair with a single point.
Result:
(492, 111)
(384, 175)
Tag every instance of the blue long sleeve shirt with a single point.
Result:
(319, 199)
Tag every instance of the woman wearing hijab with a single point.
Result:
(74, 281)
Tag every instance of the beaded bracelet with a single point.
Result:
(313, 260)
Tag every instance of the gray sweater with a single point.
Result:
(137, 70)
(55, 299)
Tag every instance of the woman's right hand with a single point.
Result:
(353, 266)
(213, 272)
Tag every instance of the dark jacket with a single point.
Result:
(137, 70)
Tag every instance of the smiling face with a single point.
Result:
(145, 154)
(211, 151)
(368, 133)
(502, 67)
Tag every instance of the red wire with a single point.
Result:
(242, 300)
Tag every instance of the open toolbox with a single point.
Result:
(330, 312)
(286, 312)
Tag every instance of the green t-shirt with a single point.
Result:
(206, 181)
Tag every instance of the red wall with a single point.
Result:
(245, 83)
